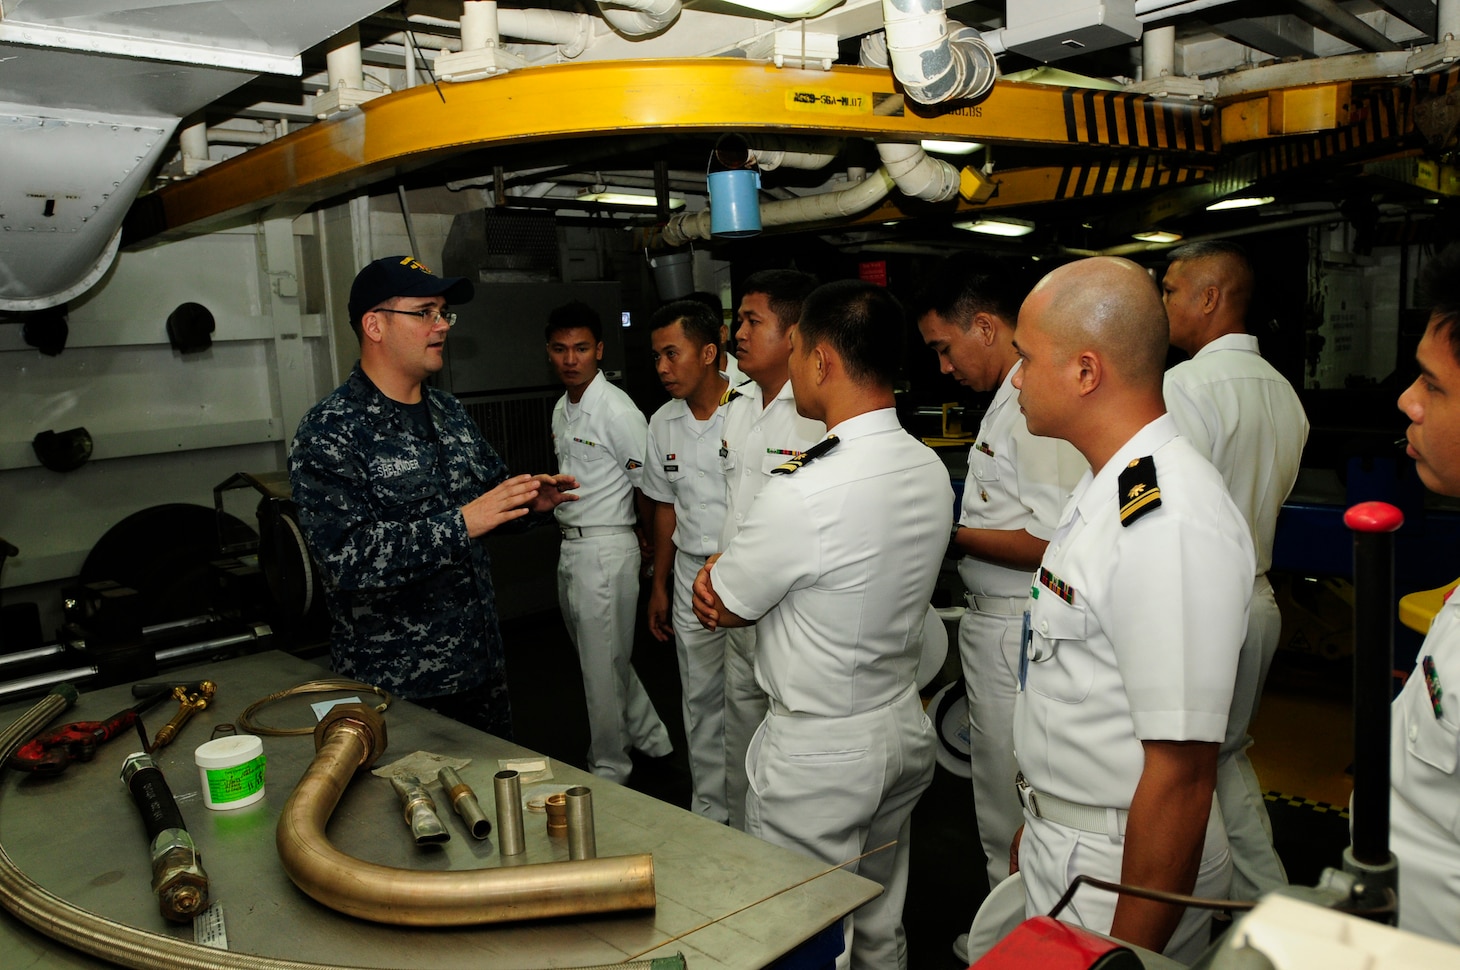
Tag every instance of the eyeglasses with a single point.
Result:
(430, 315)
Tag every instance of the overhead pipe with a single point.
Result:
(805, 209)
(483, 23)
(639, 18)
(343, 63)
(936, 64)
(352, 736)
(1158, 52)
(915, 172)
(1346, 26)
(1447, 20)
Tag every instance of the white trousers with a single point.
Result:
(598, 591)
(988, 646)
(1256, 868)
(745, 708)
(1429, 872)
(702, 684)
(836, 787)
(1051, 855)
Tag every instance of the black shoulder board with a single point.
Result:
(729, 395)
(807, 456)
(1139, 492)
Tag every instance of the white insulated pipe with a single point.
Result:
(806, 209)
(573, 32)
(193, 140)
(639, 18)
(936, 64)
(479, 25)
(343, 60)
(1158, 52)
(1447, 19)
(770, 159)
(918, 174)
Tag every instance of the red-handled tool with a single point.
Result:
(52, 752)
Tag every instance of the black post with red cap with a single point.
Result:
(1368, 858)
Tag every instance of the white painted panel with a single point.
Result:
(134, 389)
(55, 518)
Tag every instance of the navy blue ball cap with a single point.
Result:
(396, 276)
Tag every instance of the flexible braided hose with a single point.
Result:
(125, 945)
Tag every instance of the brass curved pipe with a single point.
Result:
(352, 736)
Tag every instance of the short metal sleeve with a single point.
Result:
(581, 841)
(508, 789)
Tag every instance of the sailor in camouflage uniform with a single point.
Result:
(395, 484)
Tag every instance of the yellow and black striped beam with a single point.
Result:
(408, 129)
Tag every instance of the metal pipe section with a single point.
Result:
(1368, 857)
(808, 208)
(118, 943)
(479, 25)
(1158, 52)
(350, 737)
(178, 879)
(464, 801)
(507, 786)
(343, 61)
(639, 18)
(582, 843)
(420, 812)
(1447, 20)
(936, 64)
(1346, 26)
(918, 174)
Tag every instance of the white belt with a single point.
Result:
(781, 710)
(998, 605)
(589, 531)
(1086, 818)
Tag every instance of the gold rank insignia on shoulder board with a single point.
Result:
(729, 395)
(807, 456)
(1139, 492)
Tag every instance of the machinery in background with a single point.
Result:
(180, 582)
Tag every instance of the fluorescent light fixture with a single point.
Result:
(789, 9)
(950, 147)
(1157, 236)
(997, 226)
(628, 198)
(1243, 202)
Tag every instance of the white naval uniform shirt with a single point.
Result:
(683, 468)
(755, 440)
(600, 442)
(1016, 480)
(1135, 630)
(1425, 747)
(836, 562)
(1236, 409)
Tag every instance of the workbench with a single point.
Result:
(80, 836)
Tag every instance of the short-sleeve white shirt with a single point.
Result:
(1135, 630)
(756, 439)
(1016, 480)
(836, 562)
(1425, 747)
(683, 468)
(1239, 412)
(600, 442)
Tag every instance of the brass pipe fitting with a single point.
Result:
(188, 705)
(464, 801)
(420, 811)
(352, 736)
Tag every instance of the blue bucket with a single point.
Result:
(734, 203)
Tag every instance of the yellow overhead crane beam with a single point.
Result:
(405, 130)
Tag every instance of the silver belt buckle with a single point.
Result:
(1028, 797)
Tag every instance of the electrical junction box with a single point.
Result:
(1048, 30)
